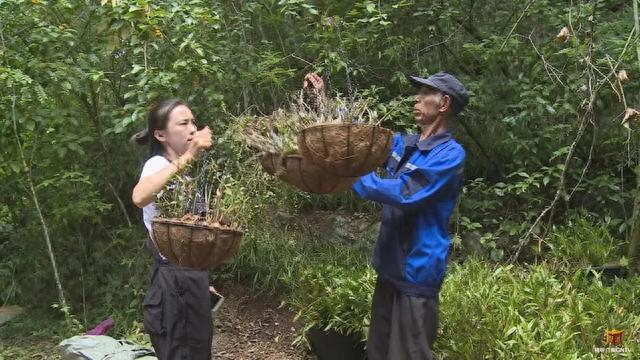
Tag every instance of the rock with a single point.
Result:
(9, 312)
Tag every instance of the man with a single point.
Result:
(418, 193)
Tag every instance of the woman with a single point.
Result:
(177, 306)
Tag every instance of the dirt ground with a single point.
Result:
(253, 327)
(247, 326)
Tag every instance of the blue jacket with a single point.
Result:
(418, 193)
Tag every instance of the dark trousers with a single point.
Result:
(402, 327)
(177, 313)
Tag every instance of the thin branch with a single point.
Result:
(523, 240)
(588, 117)
(550, 69)
(484, 152)
(440, 43)
(614, 69)
(516, 23)
(120, 203)
(636, 24)
(584, 170)
(617, 88)
(34, 197)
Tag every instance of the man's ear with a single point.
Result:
(446, 103)
(159, 134)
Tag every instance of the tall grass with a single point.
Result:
(533, 312)
(581, 243)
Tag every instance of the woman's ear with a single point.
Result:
(159, 135)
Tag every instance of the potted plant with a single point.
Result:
(334, 303)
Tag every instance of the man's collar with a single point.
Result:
(428, 143)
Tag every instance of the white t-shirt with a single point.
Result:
(152, 165)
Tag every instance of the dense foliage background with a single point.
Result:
(550, 171)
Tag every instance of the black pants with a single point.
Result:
(177, 313)
(402, 327)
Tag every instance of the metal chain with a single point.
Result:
(327, 80)
(198, 205)
(346, 64)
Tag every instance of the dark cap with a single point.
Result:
(448, 84)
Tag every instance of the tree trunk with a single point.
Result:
(634, 241)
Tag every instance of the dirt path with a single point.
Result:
(246, 327)
(253, 327)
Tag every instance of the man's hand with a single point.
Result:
(313, 82)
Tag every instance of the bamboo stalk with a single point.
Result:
(43, 223)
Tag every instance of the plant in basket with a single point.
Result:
(193, 228)
(351, 143)
(319, 146)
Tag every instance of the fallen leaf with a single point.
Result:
(622, 76)
(564, 35)
(630, 114)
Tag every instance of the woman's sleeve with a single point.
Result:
(153, 165)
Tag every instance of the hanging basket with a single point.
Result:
(294, 169)
(348, 150)
(196, 245)
(271, 162)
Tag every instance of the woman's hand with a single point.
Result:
(201, 141)
(148, 186)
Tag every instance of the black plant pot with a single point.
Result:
(331, 345)
(609, 271)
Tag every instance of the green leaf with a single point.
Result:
(75, 147)
(137, 68)
(16, 167)
(371, 7)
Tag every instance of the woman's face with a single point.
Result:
(180, 129)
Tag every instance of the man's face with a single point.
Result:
(429, 104)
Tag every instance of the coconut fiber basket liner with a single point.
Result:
(271, 162)
(294, 169)
(347, 150)
(195, 245)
